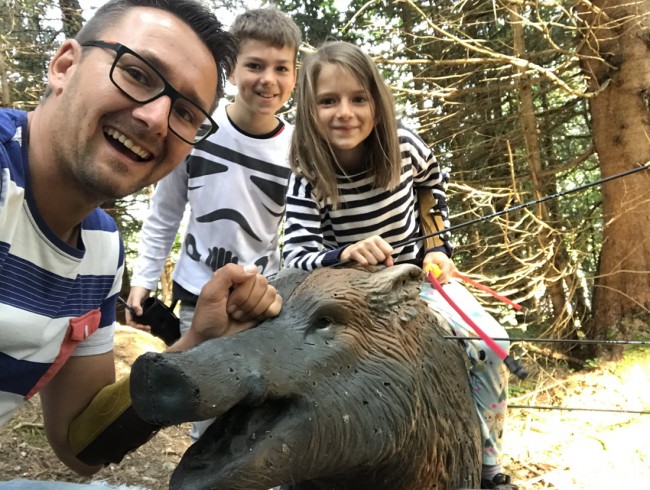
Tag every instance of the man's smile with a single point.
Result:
(124, 145)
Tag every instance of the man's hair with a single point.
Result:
(202, 21)
(311, 155)
(268, 25)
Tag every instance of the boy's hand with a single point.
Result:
(137, 295)
(234, 299)
(371, 251)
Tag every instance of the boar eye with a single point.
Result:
(322, 323)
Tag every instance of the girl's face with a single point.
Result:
(345, 113)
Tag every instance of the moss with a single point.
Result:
(634, 357)
(32, 434)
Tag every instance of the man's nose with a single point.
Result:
(155, 114)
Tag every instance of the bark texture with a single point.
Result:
(617, 60)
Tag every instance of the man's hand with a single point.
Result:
(371, 251)
(234, 299)
(444, 263)
(137, 295)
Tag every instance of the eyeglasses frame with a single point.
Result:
(168, 89)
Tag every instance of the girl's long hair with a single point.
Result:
(311, 155)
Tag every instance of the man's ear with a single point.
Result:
(63, 65)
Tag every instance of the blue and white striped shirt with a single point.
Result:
(54, 298)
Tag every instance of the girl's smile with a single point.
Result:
(345, 113)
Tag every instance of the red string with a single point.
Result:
(498, 350)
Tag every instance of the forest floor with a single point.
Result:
(567, 450)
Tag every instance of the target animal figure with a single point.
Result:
(351, 386)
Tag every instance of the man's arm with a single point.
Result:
(95, 420)
(68, 394)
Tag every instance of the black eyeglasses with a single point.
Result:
(138, 80)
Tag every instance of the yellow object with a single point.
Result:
(429, 223)
(107, 406)
(437, 272)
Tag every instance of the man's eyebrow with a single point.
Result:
(164, 69)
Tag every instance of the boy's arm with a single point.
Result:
(160, 227)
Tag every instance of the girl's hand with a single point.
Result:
(444, 263)
(371, 251)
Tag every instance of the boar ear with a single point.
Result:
(287, 280)
(397, 283)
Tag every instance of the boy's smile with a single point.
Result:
(265, 77)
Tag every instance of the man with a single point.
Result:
(125, 102)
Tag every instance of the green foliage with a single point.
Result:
(32, 434)
(593, 363)
(495, 88)
(318, 19)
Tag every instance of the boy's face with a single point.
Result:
(264, 76)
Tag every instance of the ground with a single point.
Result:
(567, 450)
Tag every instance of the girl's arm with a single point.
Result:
(437, 250)
(303, 236)
(431, 183)
(373, 250)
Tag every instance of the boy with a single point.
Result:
(235, 181)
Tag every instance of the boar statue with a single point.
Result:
(351, 387)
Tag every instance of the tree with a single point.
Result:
(71, 17)
(28, 38)
(616, 57)
(497, 89)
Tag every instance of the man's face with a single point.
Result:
(104, 142)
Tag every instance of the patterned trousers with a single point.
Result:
(488, 375)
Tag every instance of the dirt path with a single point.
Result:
(585, 450)
(546, 449)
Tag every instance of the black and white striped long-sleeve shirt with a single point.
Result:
(316, 234)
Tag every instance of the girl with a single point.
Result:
(362, 183)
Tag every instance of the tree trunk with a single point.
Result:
(71, 17)
(617, 62)
(5, 93)
(546, 239)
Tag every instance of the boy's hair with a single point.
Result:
(202, 21)
(268, 25)
(311, 155)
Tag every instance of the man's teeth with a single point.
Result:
(113, 133)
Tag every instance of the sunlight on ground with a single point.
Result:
(576, 450)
